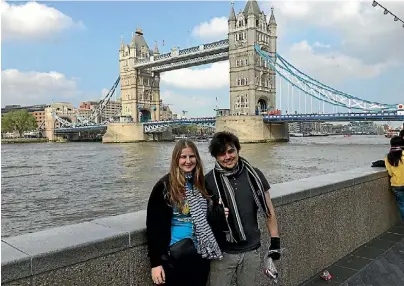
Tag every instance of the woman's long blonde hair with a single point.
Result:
(177, 178)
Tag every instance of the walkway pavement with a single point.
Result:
(377, 263)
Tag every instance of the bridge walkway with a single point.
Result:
(379, 262)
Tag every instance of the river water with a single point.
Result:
(50, 184)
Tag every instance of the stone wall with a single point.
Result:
(251, 129)
(124, 133)
(321, 219)
(133, 132)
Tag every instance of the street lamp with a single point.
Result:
(385, 12)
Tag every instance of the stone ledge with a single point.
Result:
(289, 192)
(132, 223)
(12, 259)
(67, 245)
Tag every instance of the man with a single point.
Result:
(243, 191)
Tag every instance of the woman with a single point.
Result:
(180, 240)
(395, 167)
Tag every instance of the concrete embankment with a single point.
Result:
(24, 140)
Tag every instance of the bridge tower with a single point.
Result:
(140, 94)
(252, 84)
(140, 89)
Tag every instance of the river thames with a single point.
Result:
(49, 184)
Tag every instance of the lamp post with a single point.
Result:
(385, 12)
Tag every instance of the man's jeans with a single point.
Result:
(245, 265)
(399, 193)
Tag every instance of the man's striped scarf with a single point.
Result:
(206, 243)
(235, 227)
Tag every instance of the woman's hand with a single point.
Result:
(158, 275)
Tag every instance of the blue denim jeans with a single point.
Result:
(399, 193)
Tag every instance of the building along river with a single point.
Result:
(50, 184)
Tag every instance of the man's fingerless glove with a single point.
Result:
(275, 248)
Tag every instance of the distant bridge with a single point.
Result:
(337, 117)
(161, 126)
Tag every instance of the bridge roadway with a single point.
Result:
(90, 128)
(158, 126)
(337, 117)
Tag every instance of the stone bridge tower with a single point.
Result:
(140, 89)
(252, 83)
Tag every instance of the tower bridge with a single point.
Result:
(252, 83)
(251, 49)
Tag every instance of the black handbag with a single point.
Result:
(185, 248)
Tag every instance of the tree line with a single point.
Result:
(18, 120)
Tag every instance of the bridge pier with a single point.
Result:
(124, 133)
(162, 136)
(252, 129)
(131, 133)
(49, 124)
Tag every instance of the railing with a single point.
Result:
(189, 50)
(162, 57)
(100, 127)
(217, 44)
(159, 126)
(183, 120)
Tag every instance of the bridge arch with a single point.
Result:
(144, 115)
(262, 105)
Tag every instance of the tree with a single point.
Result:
(18, 120)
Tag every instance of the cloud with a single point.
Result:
(321, 45)
(213, 77)
(362, 31)
(33, 21)
(365, 43)
(330, 67)
(34, 87)
(215, 29)
(196, 105)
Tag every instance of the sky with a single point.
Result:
(68, 51)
